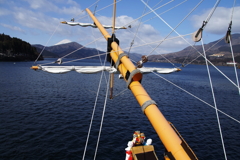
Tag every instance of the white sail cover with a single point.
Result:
(159, 70)
(90, 25)
(95, 69)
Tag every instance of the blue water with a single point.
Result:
(47, 116)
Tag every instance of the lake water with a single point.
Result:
(47, 116)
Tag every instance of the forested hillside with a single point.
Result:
(15, 49)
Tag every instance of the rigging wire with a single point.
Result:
(120, 93)
(46, 43)
(187, 56)
(148, 13)
(54, 33)
(80, 48)
(94, 108)
(212, 11)
(234, 119)
(206, 51)
(148, 44)
(137, 30)
(98, 52)
(214, 100)
(157, 3)
(103, 113)
(93, 113)
(235, 68)
(191, 45)
(228, 37)
(173, 29)
(167, 10)
(84, 11)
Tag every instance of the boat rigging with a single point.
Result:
(176, 146)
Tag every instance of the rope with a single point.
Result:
(214, 100)
(158, 41)
(98, 51)
(213, 10)
(166, 10)
(122, 92)
(234, 119)
(192, 46)
(173, 29)
(93, 113)
(157, 4)
(187, 55)
(137, 30)
(233, 9)
(235, 68)
(46, 43)
(104, 108)
(148, 13)
(95, 104)
(206, 51)
(80, 48)
(230, 43)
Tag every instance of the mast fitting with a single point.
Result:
(146, 104)
(140, 63)
(228, 34)
(119, 59)
(109, 47)
(131, 77)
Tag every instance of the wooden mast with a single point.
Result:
(113, 31)
(174, 144)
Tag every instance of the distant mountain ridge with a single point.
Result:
(218, 53)
(61, 50)
(57, 51)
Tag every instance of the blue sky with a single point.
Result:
(38, 21)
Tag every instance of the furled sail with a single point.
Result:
(95, 69)
(90, 25)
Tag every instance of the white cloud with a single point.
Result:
(4, 11)
(146, 34)
(70, 7)
(219, 22)
(14, 28)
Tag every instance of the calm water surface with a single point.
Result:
(47, 116)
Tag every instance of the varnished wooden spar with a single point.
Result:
(174, 144)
